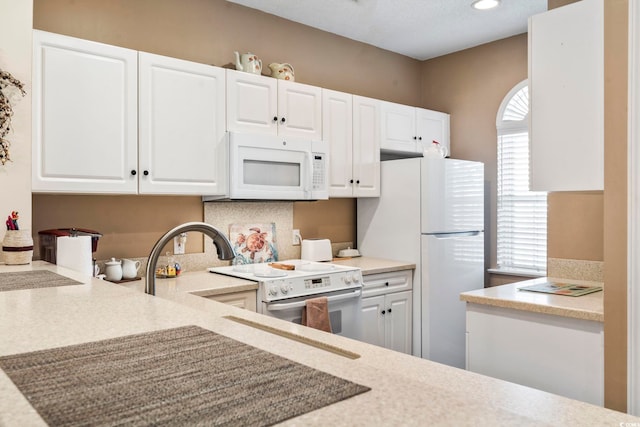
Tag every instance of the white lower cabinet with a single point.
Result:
(243, 299)
(561, 355)
(387, 310)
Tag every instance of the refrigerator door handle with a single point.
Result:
(454, 235)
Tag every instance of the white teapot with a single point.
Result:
(435, 150)
(248, 62)
(282, 71)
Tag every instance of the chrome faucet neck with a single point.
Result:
(222, 244)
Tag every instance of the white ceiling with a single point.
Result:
(420, 29)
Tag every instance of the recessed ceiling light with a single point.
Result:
(485, 4)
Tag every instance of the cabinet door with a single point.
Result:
(337, 130)
(561, 355)
(366, 146)
(299, 110)
(398, 128)
(433, 126)
(373, 322)
(398, 321)
(246, 299)
(252, 103)
(84, 116)
(566, 86)
(182, 126)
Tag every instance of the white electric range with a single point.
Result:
(283, 293)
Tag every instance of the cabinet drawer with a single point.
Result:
(384, 283)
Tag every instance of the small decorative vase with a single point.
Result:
(17, 247)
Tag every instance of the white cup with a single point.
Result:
(130, 268)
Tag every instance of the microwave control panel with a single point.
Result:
(319, 172)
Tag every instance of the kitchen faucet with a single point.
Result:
(223, 247)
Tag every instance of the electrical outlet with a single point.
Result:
(297, 238)
(179, 243)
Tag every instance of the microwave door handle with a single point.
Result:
(299, 304)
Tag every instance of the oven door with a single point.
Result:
(269, 167)
(344, 311)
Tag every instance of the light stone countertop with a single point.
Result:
(585, 307)
(370, 265)
(405, 390)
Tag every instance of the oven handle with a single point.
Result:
(298, 304)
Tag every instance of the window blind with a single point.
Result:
(522, 214)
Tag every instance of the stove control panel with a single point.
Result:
(317, 284)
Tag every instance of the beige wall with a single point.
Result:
(15, 58)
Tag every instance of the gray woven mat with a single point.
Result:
(33, 279)
(181, 376)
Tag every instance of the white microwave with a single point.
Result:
(271, 167)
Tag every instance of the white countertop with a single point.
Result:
(586, 307)
(405, 390)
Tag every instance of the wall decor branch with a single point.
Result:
(10, 91)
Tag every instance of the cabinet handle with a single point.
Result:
(383, 312)
(386, 283)
(358, 181)
(389, 310)
(350, 181)
(419, 138)
(133, 172)
(145, 173)
(275, 118)
(415, 137)
(282, 120)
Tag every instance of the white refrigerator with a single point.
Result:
(430, 212)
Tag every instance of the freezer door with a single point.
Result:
(452, 195)
(451, 264)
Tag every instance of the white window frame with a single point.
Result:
(508, 263)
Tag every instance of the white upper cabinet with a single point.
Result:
(433, 126)
(350, 127)
(181, 127)
(337, 130)
(398, 128)
(299, 110)
(88, 98)
(366, 147)
(252, 103)
(84, 116)
(406, 129)
(566, 87)
(262, 104)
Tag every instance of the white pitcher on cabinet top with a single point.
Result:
(248, 62)
(282, 71)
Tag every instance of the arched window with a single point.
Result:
(522, 214)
